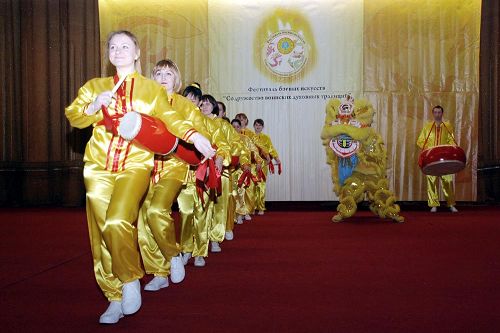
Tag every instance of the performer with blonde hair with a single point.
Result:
(117, 171)
(157, 237)
(435, 133)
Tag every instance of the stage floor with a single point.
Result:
(283, 272)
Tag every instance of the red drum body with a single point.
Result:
(442, 160)
(147, 131)
(235, 160)
(188, 153)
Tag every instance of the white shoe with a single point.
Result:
(131, 297)
(453, 209)
(177, 271)
(112, 314)
(229, 235)
(434, 209)
(157, 283)
(199, 261)
(260, 212)
(215, 247)
(239, 220)
(248, 217)
(185, 258)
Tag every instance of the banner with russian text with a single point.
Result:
(283, 60)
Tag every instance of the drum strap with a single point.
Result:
(432, 127)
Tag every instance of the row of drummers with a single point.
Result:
(213, 194)
(133, 177)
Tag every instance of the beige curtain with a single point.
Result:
(418, 54)
(165, 29)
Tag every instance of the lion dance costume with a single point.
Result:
(357, 157)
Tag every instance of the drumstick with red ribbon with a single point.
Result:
(111, 122)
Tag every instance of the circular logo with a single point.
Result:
(285, 53)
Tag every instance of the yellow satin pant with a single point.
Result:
(219, 220)
(156, 226)
(112, 202)
(186, 201)
(195, 219)
(433, 190)
(239, 198)
(260, 192)
(231, 205)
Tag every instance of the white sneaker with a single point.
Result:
(177, 271)
(199, 261)
(239, 220)
(453, 209)
(434, 209)
(157, 283)
(260, 212)
(131, 297)
(185, 258)
(229, 235)
(215, 247)
(248, 217)
(112, 314)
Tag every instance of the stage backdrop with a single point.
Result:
(281, 61)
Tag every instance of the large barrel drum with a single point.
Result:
(442, 160)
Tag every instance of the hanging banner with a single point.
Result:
(282, 61)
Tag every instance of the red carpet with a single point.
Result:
(284, 272)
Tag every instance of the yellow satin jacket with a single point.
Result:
(137, 93)
(436, 135)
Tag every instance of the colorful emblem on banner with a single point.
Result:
(285, 44)
(285, 53)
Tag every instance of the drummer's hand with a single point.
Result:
(203, 145)
(277, 160)
(268, 159)
(218, 163)
(245, 167)
(102, 99)
(258, 166)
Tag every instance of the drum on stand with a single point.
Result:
(442, 160)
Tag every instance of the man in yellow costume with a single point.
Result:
(357, 156)
(436, 133)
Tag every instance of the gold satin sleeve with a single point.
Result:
(218, 138)
(75, 112)
(252, 148)
(178, 125)
(238, 148)
(264, 141)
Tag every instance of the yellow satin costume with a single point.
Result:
(245, 203)
(264, 142)
(250, 191)
(116, 175)
(157, 238)
(436, 135)
(197, 214)
(225, 205)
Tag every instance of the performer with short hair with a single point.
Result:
(263, 140)
(435, 133)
